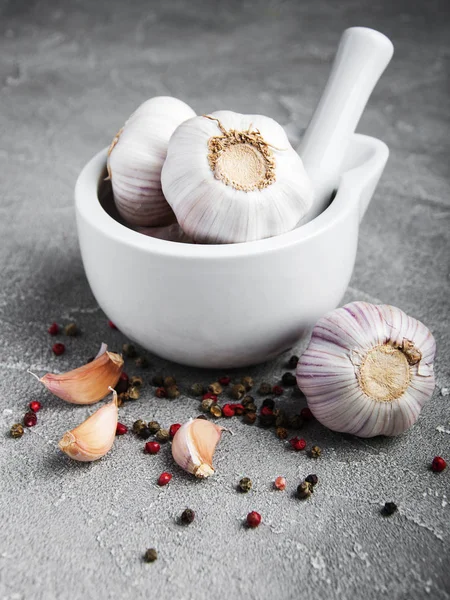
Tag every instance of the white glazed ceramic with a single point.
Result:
(228, 305)
(362, 56)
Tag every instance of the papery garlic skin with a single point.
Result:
(87, 384)
(94, 437)
(368, 370)
(136, 157)
(193, 446)
(253, 187)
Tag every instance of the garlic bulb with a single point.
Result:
(234, 178)
(94, 437)
(368, 370)
(194, 444)
(136, 156)
(170, 233)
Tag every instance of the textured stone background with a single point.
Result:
(70, 73)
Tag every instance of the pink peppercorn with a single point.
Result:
(173, 429)
(298, 444)
(121, 429)
(160, 392)
(209, 396)
(266, 411)
(35, 406)
(228, 410)
(164, 478)
(58, 349)
(306, 414)
(253, 519)
(224, 380)
(277, 390)
(280, 483)
(29, 419)
(152, 447)
(53, 329)
(438, 464)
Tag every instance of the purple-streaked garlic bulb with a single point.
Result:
(368, 369)
(136, 157)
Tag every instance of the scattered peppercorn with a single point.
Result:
(250, 407)
(53, 329)
(111, 324)
(224, 380)
(216, 411)
(207, 403)
(137, 381)
(277, 390)
(152, 447)
(163, 436)
(154, 426)
(157, 380)
(169, 381)
(281, 419)
(197, 389)
(238, 391)
(269, 403)
(282, 433)
(280, 483)
(312, 479)
(58, 349)
(215, 388)
(228, 410)
(389, 509)
(35, 406)
(187, 516)
(253, 519)
(306, 414)
(292, 362)
(315, 452)
(247, 400)
(138, 425)
(209, 396)
(267, 420)
(265, 389)
(129, 351)
(71, 330)
(239, 409)
(296, 422)
(245, 484)
(250, 418)
(144, 433)
(173, 429)
(297, 444)
(30, 419)
(164, 478)
(304, 490)
(266, 411)
(122, 384)
(160, 392)
(288, 379)
(121, 429)
(172, 392)
(133, 392)
(150, 555)
(247, 382)
(16, 430)
(142, 362)
(438, 464)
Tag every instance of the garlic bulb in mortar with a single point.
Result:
(136, 156)
(234, 178)
(368, 370)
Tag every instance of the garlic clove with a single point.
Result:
(87, 384)
(136, 157)
(368, 370)
(94, 437)
(193, 446)
(234, 178)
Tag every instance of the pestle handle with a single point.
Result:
(362, 56)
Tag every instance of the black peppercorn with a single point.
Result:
(312, 479)
(144, 433)
(207, 403)
(133, 392)
(16, 430)
(163, 436)
(389, 509)
(138, 425)
(292, 362)
(247, 382)
(250, 407)
(154, 426)
(136, 380)
(129, 351)
(216, 411)
(172, 392)
(151, 555)
(247, 400)
(71, 330)
(304, 490)
(281, 419)
(315, 452)
(269, 403)
(264, 389)
(187, 516)
(282, 433)
(197, 389)
(245, 484)
(250, 418)
(215, 388)
(267, 420)
(169, 381)
(157, 381)
(238, 391)
(288, 379)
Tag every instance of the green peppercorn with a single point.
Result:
(142, 362)
(304, 490)
(136, 380)
(389, 509)
(269, 402)
(144, 433)
(247, 400)
(151, 555)
(197, 389)
(250, 418)
(71, 330)
(296, 422)
(16, 430)
(250, 407)
(216, 411)
(157, 381)
(154, 426)
(282, 433)
(245, 484)
(312, 479)
(169, 381)
(207, 403)
(238, 391)
(162, 435)
(215, 388)
(292, 362)
(288, 379)
(138, 425)
(247, 382)
(172, 392)
(187, 516)
(264, 389)
(133, 392)
(129, 351)
(315, 452)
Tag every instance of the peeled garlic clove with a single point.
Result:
(234, 178)
(194, 444)
(94, 437)
(87, 384)
(368, 370)
(136, 157)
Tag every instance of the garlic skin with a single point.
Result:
(234, 178)
(136, 157)
(87, 384)
(94, 437)
(193, 446)
(368, 370)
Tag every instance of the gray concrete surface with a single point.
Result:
(70, 73)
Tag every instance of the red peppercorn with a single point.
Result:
(228, 410)
(280, 483)
(224, 380)
(297, 444)
(58, 349)
(164, 478)
(111, 324)
(306, 414)
(160, 392)
(121, 429)
(53, 329)
(29, 419)
(239, 409)
(438, 464)
(173, 429)
(152, 447)
(277, 390)
(266, 411)
(210, 396)
(253, 519)
(35, 406)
